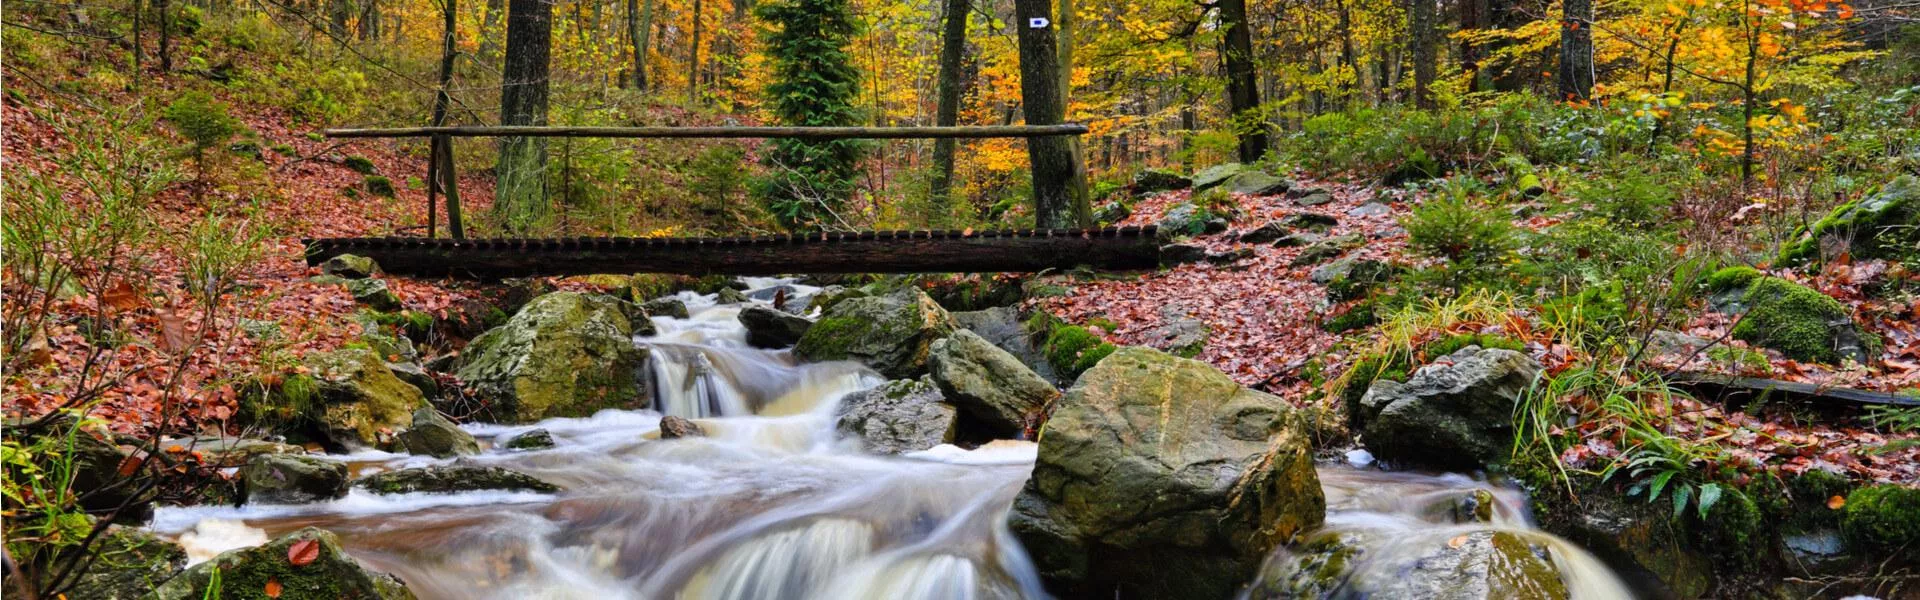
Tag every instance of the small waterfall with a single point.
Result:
(791, 563)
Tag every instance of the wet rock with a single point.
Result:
(988, 384)
(566, 354)
(1477, 565)
(1881, 225)
(1215, 175)
(1003, 327)
(1304, 238)
(129, 563)
(1456, 413)
(672, 427)
(666, 307)
(1310, 221)
(767, 294)
(292, 479)
(1156, 460)
(891, 333)
(1267, 233)
(350, 266)
(453, 479)
(95, 467)
(1468, 506)
(358, 397)
(774, 329)
(1310, 196)
(416, 376)
(533, 440)
(331, 575)
(1798, 321)
(1189, 219)
(1370, 209)
(897, 417)
(1258, 183)
(1640, 541)
(1327, 249)
(1157, 180)
(833, 294)
(231, 452)
(729, 295)
(373, 293)
(434, 435)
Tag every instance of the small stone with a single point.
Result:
(1173, 254)
(350, 266)
(1311, 221)
(533, 440)
(1229, 257)
(1304, 238)
(292, 479)
(453, 479)
(1370, 209)
(730, 296)
(666, 307)
(672, 427)
(1266, 233)
(373, 293)
(770, 328)
(433, 435)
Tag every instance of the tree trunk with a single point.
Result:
(1421, 23)
(165, 10)
(443, 177)
(639, 29)
(1065, 20)
(1243, 92)
(1053, 169)
(1576, 51)
(520, 196)
(693, 59)
(953, 43)
(339, 12)
(488, 47)
(1473, 15)
(370, 20)
(1350, 70)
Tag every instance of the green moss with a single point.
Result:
(285, 150)
(1878, 226)
(1809, 493)
(1743, 358)
(1732, 277)
(1452, 344)
(1793, 319)
(359, 164)
(1362, 315)
(1071, 349)
(830, 336)
(1731, 528)
(379, 185)
(1883, 517)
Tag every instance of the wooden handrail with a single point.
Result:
(986, 131)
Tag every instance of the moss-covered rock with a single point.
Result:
(1162, 477)
(1801, 323)
(1883, 518)
(538, 439)
(988, 384)
(1454, 414)
(127, 564)
(1476, 565)
(666, 307)
(770, 328)
(292, 479)
(1641, 541)
(373, 293)
(566, 354)
(1071, 350)
(452, 479)
(247, 572)
(891, 333)
(350, 266)
(1885, 224)
(1156, 180)
(899, 416)
(434, 435)
(1215, 175)
(355, 400)
(833, 294)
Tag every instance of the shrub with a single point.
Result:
(1883, 517)
(379, 186)
(1470, 237)
(202, 120)
(359, 164)
(1636, 198)
(1071, 349)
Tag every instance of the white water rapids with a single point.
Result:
(770, 505)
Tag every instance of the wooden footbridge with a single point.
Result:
(1029, 250)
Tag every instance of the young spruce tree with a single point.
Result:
(814, 84)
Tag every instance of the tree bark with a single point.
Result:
(953, 42)
(1473, 15)
(339, 12)
(370, 20)
(693, 59)
(1243, 91)
(1053, 168)
(520, 192)
(639, 30)
(488, 47)
(1576, 51)
(443, 177)
(165, 10)
(1065, 19)
(1350, 70)
(1421, 24)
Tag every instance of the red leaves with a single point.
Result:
(303, 552)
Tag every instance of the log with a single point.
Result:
(1740, 389)
(864, 252)
(819, 133)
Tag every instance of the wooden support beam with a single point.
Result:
(866, 252)
(818, 133)
(1743, 389)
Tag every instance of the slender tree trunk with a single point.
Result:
(164, 8)
(1350, 71)
(1066, 19)
(370, 20)
(1473, 15)
(953, 45)
(339, 12)
(444, 178)
(1748, 95)
(488, 46)
(138, 8)
(1243, 92)
(693, 59)
(1576, 51)
(1053, 168)
(639, 29)
(521, 192)
(1422, 23)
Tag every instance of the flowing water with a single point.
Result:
(770, 505)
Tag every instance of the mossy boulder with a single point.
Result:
(1258, 183)
(892, 334)
(356, 399)
(666, 307)
(833, 294)
(350, 266)
(538, 439)
(1156, 180)
(1799, 322)
(1883, 518)
(434, 435)
(989, 385)
(566, 354)
(1189, 219)
(1476, 565)
(1072, 349)
(1885, 225)
(899, 416)
(770, 328)
(127, 564)
(292, 479)
(453, 479)
(1456, 413)
(373, 293)
(1215, 175)
(1163, 477)
(246, 572)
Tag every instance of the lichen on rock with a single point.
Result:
(566, 354)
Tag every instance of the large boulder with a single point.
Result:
(350, 266)
(358, 401)
(1003, 326)
(292, 479)
(1258, 183)
(897, 417)
(892, 334)
(989, 385)
(1486, 564)
(1157, 180)
(434, 435)
(1798, 321)
(566, 354)
(1159, 477)
(323, 571)
(771, 328)
(1883, 225)
(1456, 413)
(128, 563)
(1215, 175)
(452, 479)
(374, 294)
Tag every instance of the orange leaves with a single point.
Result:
(122, 297)
(303, 552)
(1836, 502)
(272, 589)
